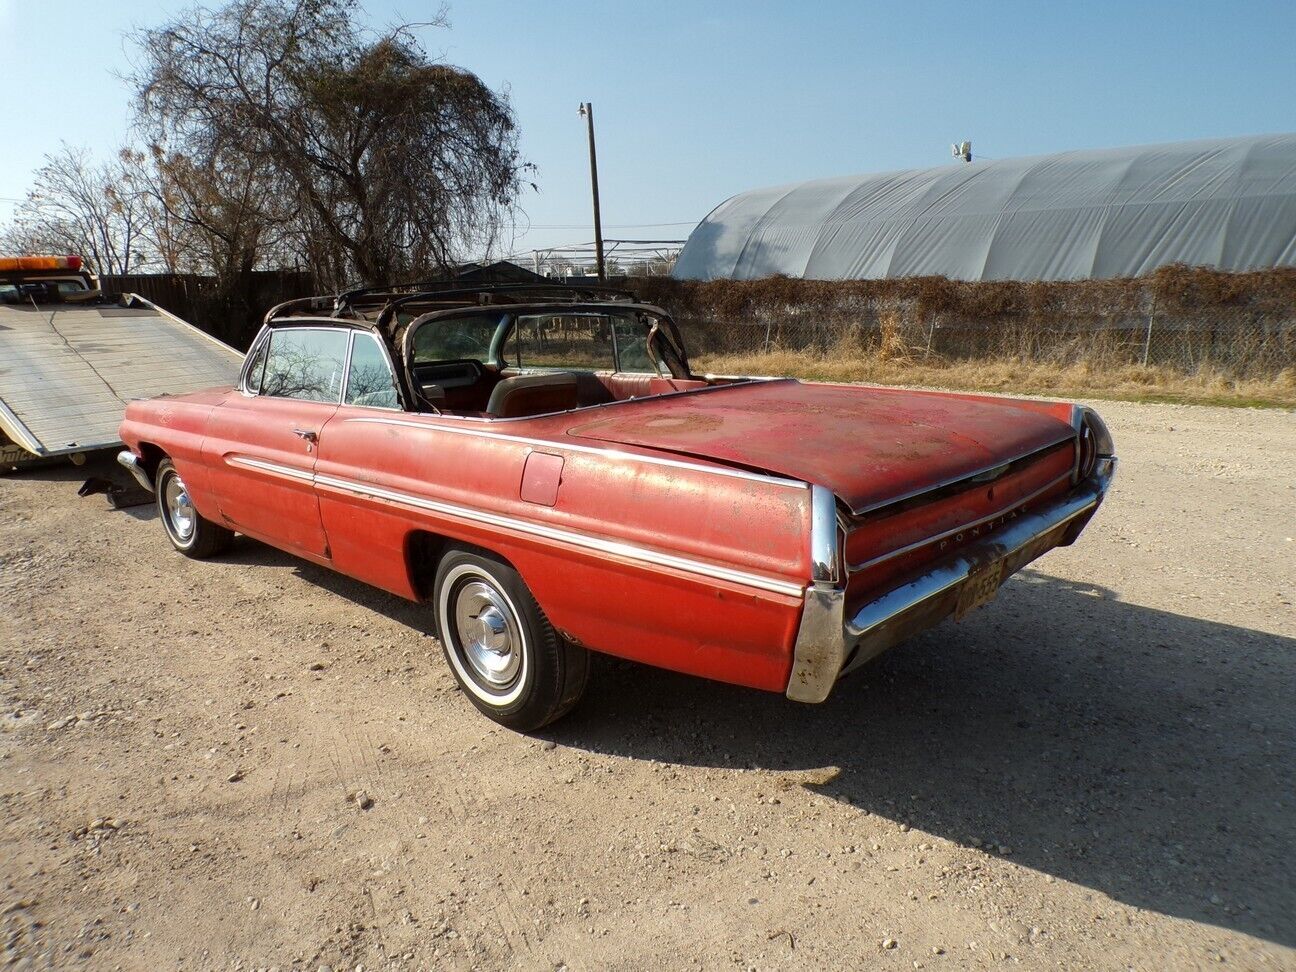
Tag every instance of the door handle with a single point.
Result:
(309, 436)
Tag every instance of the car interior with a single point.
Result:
(515, 364)
(475, 388)
(513, 351)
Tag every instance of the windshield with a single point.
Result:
(568, 339)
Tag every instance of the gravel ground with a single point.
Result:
(252, 762)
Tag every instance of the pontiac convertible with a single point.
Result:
(541, 464)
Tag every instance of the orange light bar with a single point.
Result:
(40, 263)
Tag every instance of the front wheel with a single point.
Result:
(506, 656)
(187, 529)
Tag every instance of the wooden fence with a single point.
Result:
(234, 318)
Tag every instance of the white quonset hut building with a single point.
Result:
(1228, 203)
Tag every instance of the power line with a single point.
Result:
(573, 226)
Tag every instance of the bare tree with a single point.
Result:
(396, 163)
(168, 238)
(224, 214)
(78, 206)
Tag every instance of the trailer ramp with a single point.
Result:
(67, 371)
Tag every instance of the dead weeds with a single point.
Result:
(1081, 380)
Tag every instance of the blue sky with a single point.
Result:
(697, 101)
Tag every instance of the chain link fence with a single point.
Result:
(1106, 326)
(1234, 341)
(1189, 321)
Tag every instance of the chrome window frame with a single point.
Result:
(391, 371)
(507, 327)
(510, 314)
(510, 328)
(503, 327)
(264, 337)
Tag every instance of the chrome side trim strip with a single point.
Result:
(590, 450)
(617, 548)
(273, 468)
(974, 525)
(652, 559)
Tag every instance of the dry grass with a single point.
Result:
(1187, 334)
(1127, 382)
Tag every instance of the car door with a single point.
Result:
(360, 448)
(262, 443)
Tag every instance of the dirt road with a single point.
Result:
(1094, 772)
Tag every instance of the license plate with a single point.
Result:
(979, 589)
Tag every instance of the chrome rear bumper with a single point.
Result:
(829, 643)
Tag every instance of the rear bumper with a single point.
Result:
(831, 642)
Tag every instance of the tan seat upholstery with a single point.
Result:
(533, 395)
(623, 386)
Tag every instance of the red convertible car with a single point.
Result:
(542, 465)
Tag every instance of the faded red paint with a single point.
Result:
(541, 477)
(867, 445)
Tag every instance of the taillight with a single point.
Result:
(1093, 443)
(1088, 457)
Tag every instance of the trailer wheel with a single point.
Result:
(188, 530)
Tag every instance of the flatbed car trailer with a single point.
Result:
(70, 360)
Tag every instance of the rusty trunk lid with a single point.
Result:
(871, 446)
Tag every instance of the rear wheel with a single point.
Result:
(503, 651)
(187, 529)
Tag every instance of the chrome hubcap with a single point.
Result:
(180, 512)
(488, 635)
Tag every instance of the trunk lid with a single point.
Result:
(870, 446)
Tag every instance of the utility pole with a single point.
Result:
(587, 110)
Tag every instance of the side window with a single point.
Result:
(572, 342)
(305, 363)
(632, 345)
(369, 379)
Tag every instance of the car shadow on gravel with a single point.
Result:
(1140, 753)
(63, 479)
(247, 552)
(1143, 754)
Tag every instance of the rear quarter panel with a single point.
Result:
(685, 619)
